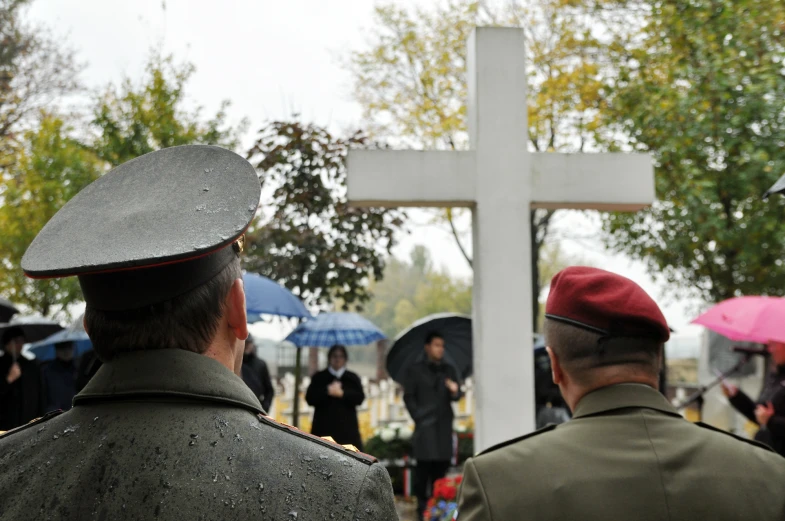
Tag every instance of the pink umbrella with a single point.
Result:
(747, 319)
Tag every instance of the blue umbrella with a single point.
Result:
(266, 297)
(45, 349)
(328, 329)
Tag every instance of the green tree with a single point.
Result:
(51, 165)
(49, 169)
(412, 82)
(702, 87)
(308, 238)
(140, 118)
(412, 290)
(36, 70)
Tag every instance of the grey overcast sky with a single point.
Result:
(273, 58)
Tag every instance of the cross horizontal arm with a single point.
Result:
(410, 178)
(609, 182)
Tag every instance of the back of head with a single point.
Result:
(603, 326)
(188, 321)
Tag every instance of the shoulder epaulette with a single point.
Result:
(46, 417)
(349, 450)
(740, 438)
(516, 440)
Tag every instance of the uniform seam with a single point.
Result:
(659, 465)
(362, 489)
(482, 490)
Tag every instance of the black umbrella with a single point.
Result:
(777, 188)
(7, 310)
(408, 347)
(34, 328)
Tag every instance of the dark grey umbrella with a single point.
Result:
(7, 310)
(777, 188)
(408, 347)
(34, 328)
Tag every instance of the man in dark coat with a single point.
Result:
(166, 428)
(626, 454)
(769, 411)
(429, 388)
(335, 394)
(256, 375)
(21, 387)
(59, 377)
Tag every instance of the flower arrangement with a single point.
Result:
(392, 442)
(443, 505)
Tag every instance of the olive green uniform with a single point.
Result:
(626, 455)
(170, 434)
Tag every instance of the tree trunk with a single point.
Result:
(381, 359)
(535, 263)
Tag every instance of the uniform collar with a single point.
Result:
(171, 372)
(622, 396)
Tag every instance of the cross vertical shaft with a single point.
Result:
(502, 318)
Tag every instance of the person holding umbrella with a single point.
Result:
(335, 393)
(21, 387)
(429, 388)
(769, 410)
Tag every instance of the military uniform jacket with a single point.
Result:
(626, 455)
(169, 434)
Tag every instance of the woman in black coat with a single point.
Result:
(335, 394)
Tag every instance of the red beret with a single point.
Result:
(604, 302)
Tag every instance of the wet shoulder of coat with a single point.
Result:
(187, 459)
(346, 450)
(501, 451)
(32, 423)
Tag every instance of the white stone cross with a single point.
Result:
(500, 181)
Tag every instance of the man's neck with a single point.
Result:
(573, 397)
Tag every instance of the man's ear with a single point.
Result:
(557, 373)
(235, 310)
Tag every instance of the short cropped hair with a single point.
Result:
(580, 351)
(431, 336)
(187, 322)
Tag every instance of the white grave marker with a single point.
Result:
(501, 182)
